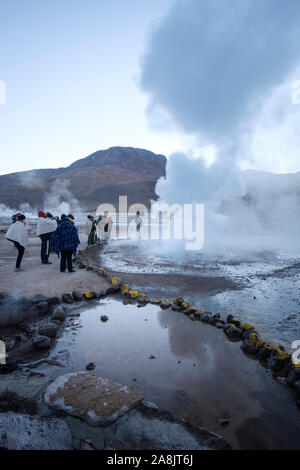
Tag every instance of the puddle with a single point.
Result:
(197, 374)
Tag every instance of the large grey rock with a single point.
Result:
(137, 431)
(20, 391)
(96, 400)
(25, 432)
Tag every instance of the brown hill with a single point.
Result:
(98, 178)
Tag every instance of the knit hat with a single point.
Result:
(48, 214)
(42, 214)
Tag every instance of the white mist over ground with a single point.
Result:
(225, 73)
(57, 200)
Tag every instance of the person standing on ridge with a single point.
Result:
(91, 229)
(45, 226)
(17, 233)
(65, 243)
(138, 224)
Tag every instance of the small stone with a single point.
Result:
(67, 298)
(43, 308)
(59, 313)
(233, 332)
(150, 405)
(104, 318)
(90, 366)
(223, 421)
(41, 343)
(152, 356)
(52, 301)
(36, 299)
(78, 296)
(49, 330)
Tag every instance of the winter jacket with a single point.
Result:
(66, 237)
(45, 226)
(17, 232)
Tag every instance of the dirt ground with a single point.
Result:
(38, 278)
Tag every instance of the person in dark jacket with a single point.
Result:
(65, 243)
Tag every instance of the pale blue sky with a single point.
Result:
(70, 69)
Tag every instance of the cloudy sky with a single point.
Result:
(211, 78)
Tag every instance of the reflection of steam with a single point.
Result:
(186, 341)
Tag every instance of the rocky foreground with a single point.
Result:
(80, 410)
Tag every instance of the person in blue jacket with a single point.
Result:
(65, 242)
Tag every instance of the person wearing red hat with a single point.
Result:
(45, 227)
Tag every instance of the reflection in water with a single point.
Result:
(197, 374)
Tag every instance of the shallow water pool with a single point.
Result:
(197, 374)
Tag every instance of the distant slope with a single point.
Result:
(98, 178)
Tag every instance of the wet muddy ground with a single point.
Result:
(196, 373)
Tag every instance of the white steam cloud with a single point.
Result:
(223, 70)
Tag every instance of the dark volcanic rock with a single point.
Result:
(59, 313)
(67, 298)
(43, 308)
(8, 368)
(52, 301)
(36, 299)
(77, 295)
(50, 330)
(41, 343)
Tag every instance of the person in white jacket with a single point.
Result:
(45, 227)
(17, 233)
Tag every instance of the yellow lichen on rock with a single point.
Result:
(184, 305)
(89, 294)
(178, 300)
(155, 301)
(192, 310)
(280, 354)
(165, 304)
(125, 289)
(115, 281)
(143, 297)
(247, 326)
(255, 340)
(101, 271)
(133, 294)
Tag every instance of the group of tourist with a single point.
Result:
(99, 228)
(58, 235)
